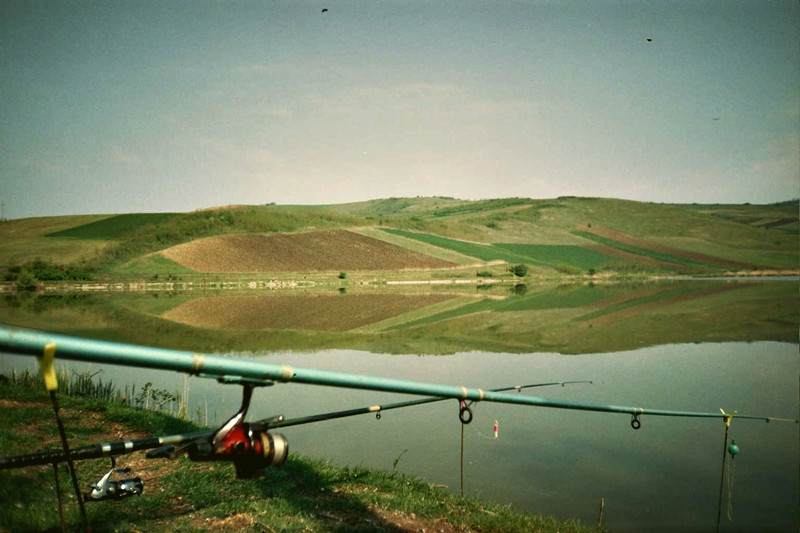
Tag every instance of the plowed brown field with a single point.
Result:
(297, 252)
(339, 312)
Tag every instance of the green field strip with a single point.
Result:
(113, 227)
(400, 321)
(415, 245)
(556, 255)
(481, 206)
(660, 256)
(484, 252)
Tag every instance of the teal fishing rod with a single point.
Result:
(33, 343)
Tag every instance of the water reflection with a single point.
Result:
(569, 319)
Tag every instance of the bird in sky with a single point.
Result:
(325, 10)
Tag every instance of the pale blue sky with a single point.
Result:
(124, 106)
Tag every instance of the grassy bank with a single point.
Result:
(302, 495)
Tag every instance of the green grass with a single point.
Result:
(150, 265)
(479, 206)
(302, 495)
(565, 257)
(557, 255)
(113, 227)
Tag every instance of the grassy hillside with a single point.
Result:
(567, 235)
(28, 239)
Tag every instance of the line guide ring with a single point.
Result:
(465, 414)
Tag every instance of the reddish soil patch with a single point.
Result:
(780, 222)
(297, 252)
(624, 238)
(312, 312)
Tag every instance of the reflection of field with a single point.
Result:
(648, 303)
(566, 319)
(307, 312)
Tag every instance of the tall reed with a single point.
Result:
(84, 384)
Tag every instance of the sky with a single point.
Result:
(174, 105)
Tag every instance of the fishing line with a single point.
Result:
(733, 451)
(730, 488)
(482, 435)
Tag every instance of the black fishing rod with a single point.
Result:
(111, 449)
(377, 409)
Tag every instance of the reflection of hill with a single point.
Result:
(568, 319)
(587, 319)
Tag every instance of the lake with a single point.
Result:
(663, 477)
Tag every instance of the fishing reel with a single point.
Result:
(106, 489)
(249, 446)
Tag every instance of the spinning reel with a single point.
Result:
(106, 489)
(248, 445)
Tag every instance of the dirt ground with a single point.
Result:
(298, 252)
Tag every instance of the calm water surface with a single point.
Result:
(663, 477)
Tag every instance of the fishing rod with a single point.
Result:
(30, 342)
(112, 449)
(378, 409)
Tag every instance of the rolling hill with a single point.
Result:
(559, 236)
